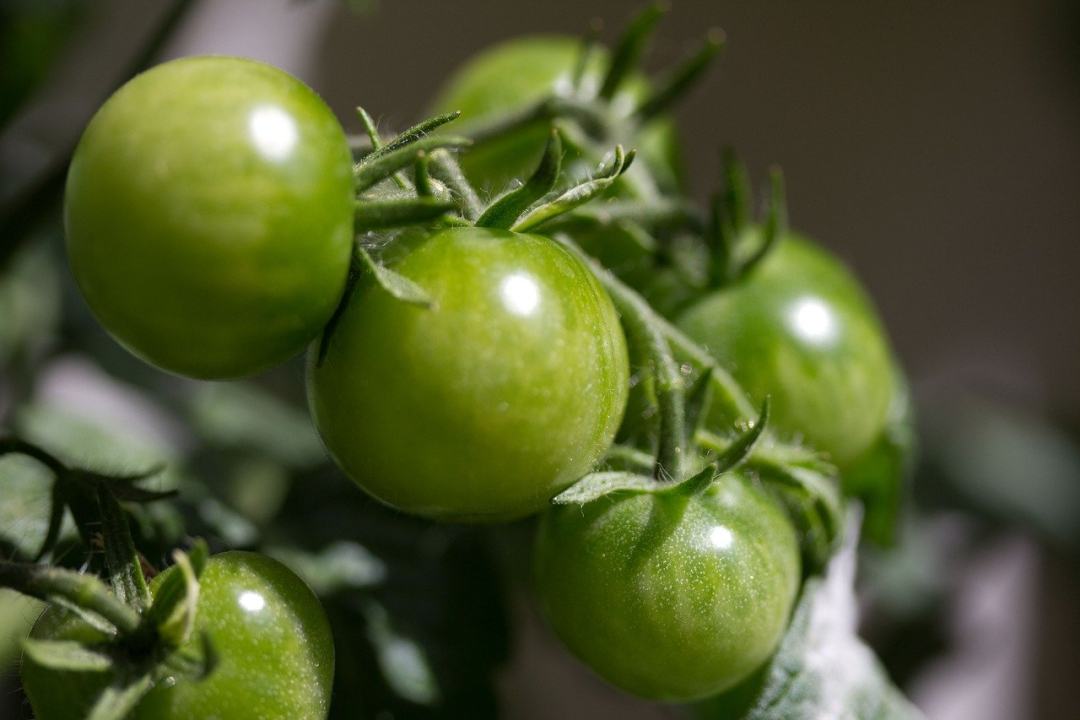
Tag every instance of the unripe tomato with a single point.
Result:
(670, 597)
(514, 74)
(800, 329)
(489, 402)
(276, 653)
(209, 211)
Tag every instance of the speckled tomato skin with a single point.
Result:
(800, 329)
(208, 214)
(274, 642)
(670, 598)
(485, 405)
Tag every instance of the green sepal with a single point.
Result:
(626, 57)
(194, 661)
(376, 142)
(577, 195)
(380, 165)
(698, 400)
(119, 699)
(416, 132)
(67, 655)
(729, 459)
(599, 484)
(507, 209)
(173, 610)
(774, 227)
(682, 78)
(122, 562)
(395, 284)
(400, 212)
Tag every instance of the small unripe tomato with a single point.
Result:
(511, 76)
(666, 596)
(208, 211)
(483, 406)
(273, 642)
(801, 330)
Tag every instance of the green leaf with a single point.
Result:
(67, 655)
(577, 195)
(397, 285)
(822, 669)
(26, 489)
(596, 485)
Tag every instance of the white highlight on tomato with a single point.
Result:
(812, 320)
(520, 294)
(273, 131)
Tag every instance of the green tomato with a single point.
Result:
(801, 330)
(276, 653)
(511, 76)
(668, 597)
(485, 405)
(209, 211)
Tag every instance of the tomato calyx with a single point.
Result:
(736, 249)
(805, 485)
(595, 115)
(147, 639)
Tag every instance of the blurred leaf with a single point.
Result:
(1013, 466)
(403, 662)
(29, 303)
(26, 489)
(339, 566)
(242, 415)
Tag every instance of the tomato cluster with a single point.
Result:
(471, 363)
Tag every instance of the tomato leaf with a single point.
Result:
(67, 655)
(339, 566)
(596, 485)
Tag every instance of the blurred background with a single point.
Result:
(934, 146)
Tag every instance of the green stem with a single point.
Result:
(642, 323)
(80, 589)
(445, 168)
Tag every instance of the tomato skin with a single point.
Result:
(667, 601)
(272, 636)
(514, 74)
(485, 405)
(208, 212)
(800, 329)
